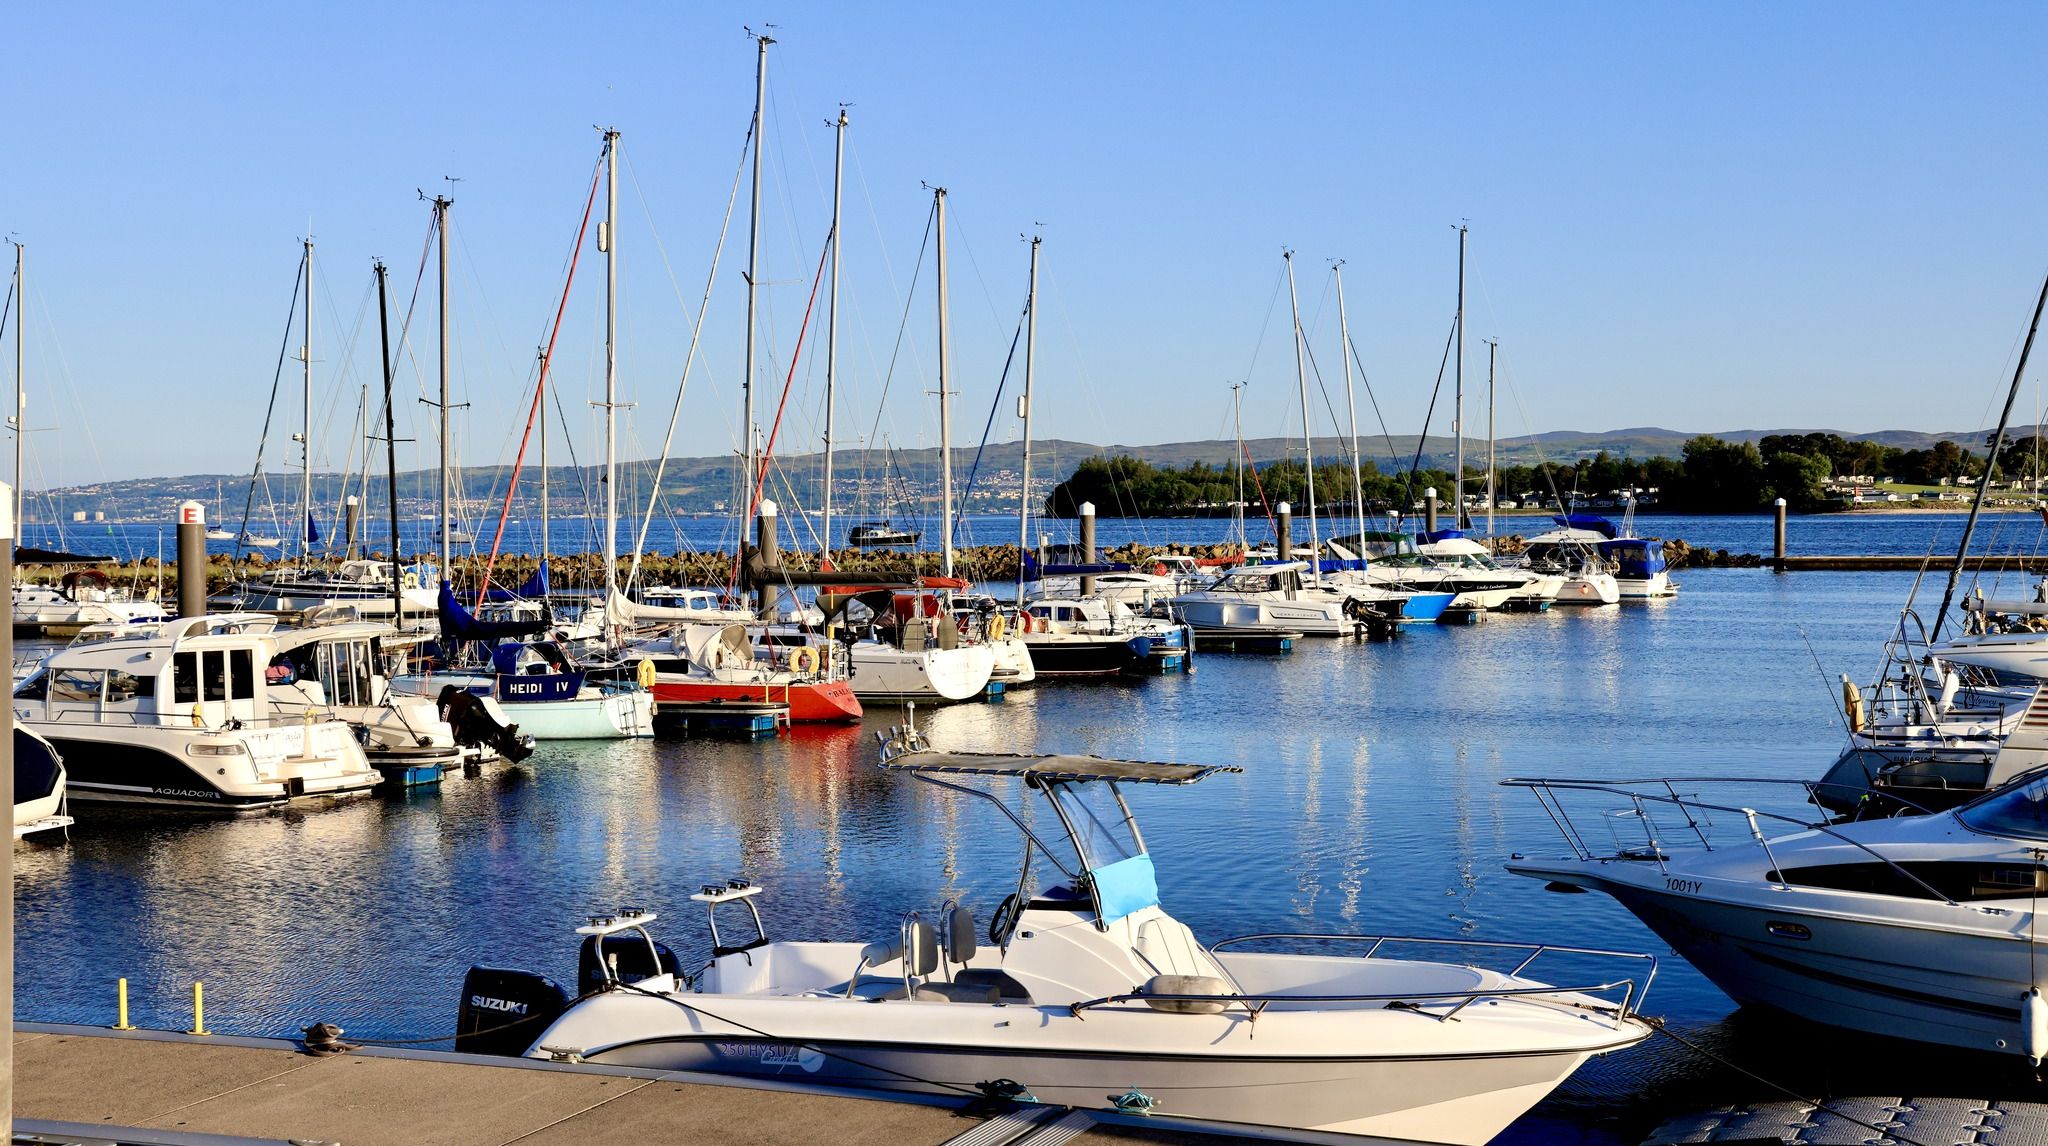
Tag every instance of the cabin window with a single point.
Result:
(36, 688)
(185, 678)
(127, 686)
(241, 674)
(2019, 811)
(76, 685)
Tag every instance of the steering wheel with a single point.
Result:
(1005, 917)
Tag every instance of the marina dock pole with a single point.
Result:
(1778, 532)
(7, 862)
(769, 545)
(1283, 532)
(351, 510)
(191, 559)
(1088, 545)
(1429, 508)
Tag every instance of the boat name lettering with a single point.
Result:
(188, 793)
(810, 1059)
(1688, 886)
(489, 1004)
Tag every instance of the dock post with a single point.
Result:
(351, 510)
(7, 527)
(121, 1022)
(198, 1009)
(1429, 509)
(1778, 534)
(769, 545)
(191, 559)
(1088, 545)
(1283, 532)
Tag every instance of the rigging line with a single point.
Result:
(541, 384)
(690, 358)
(994, 405)
(1415, 467)
(1263, 504)
(909, 297)
(1367, 383)
(249, 497)
(1272, 300)
(795, 355)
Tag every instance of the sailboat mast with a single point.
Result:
(1308, 441)
(754, 264)
(20, 418)
(945, 403)
(611, 362)
(1024, 411)
(1955, 571)
(441, 205)
(1237, 425)
(1492, 352)
(543, 455)
(306, 418)
(1350, 402)
(832, 321)
(1458, 415)
(391, 451)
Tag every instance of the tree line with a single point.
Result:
(1711, 475)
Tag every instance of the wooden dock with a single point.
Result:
(165, 1087)
(1907, 563)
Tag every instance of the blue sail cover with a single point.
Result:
(1592, 521)
(1429, 538)
(312, 530)
(459, 624)
(535, 588)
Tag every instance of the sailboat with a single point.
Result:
(217, 532)
(537, 683)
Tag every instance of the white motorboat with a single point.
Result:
(177, 713)
(335, 663)
(1574, 555)
(1094, 636)
(365, 584)
(81, 597)
(1281, 596)
(39, 788)
(1459, 557)
(1636, 562)
(1919, 927)
(1083, 992)
(1394, 561)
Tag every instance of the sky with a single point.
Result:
(1703, 217)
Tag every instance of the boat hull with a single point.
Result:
(810, 702)
(1589, 589)
(116, 766)
(883, 672)
(1061, 655)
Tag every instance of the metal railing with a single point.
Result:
(1256, 1003)
(1547, 789)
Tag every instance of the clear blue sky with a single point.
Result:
(1704, 217)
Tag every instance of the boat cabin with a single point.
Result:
(193, 671)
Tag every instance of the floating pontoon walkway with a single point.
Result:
(89, 1084)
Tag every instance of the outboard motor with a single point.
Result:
(504, 1011)
(629, 956)
(474, 727)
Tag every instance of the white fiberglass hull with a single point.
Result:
(1013, 662)
(1322, 617)
(885, 672)
(1646, 588)
(1589, 589)
(606, 716)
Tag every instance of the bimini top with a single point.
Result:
(1054, 767)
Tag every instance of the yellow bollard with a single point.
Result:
(121, 1006)
(198, 1009)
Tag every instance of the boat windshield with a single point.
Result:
(1103, 831)
(2016, 810)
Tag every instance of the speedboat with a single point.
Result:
(718, 664)
(38, 786)
(1082, 991)
(1919, 927)
(177, 714)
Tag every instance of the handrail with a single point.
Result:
(1551, 786)
(1535, 950)
(1809, 785)
(1257, 1003)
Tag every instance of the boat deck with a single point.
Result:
(165, 1087)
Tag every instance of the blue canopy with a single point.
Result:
(1592, 521)
(1637, 557)
(1431, 536)
(459, 624)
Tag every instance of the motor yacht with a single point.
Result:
(1459, 555)
(1919, 927)
(1573, 555)
(79, 598)
(177, 713)
(1093, 636)
(1392, 560)
(1083, 991)
(1281, 596)
(334, 662)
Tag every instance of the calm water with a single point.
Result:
(1369, 803)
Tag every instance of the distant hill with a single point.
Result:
(865, 481)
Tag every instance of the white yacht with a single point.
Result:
(1083, 991)
(1457, 554)
(908, 647)
(81, 597)
(1574, 555)
(364, 583)
(1281, 596)
(177, 713)
(1919, 927)
(1094, 636)
(335, 663)
(39, 788)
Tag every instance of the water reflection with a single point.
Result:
(1369, 804)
